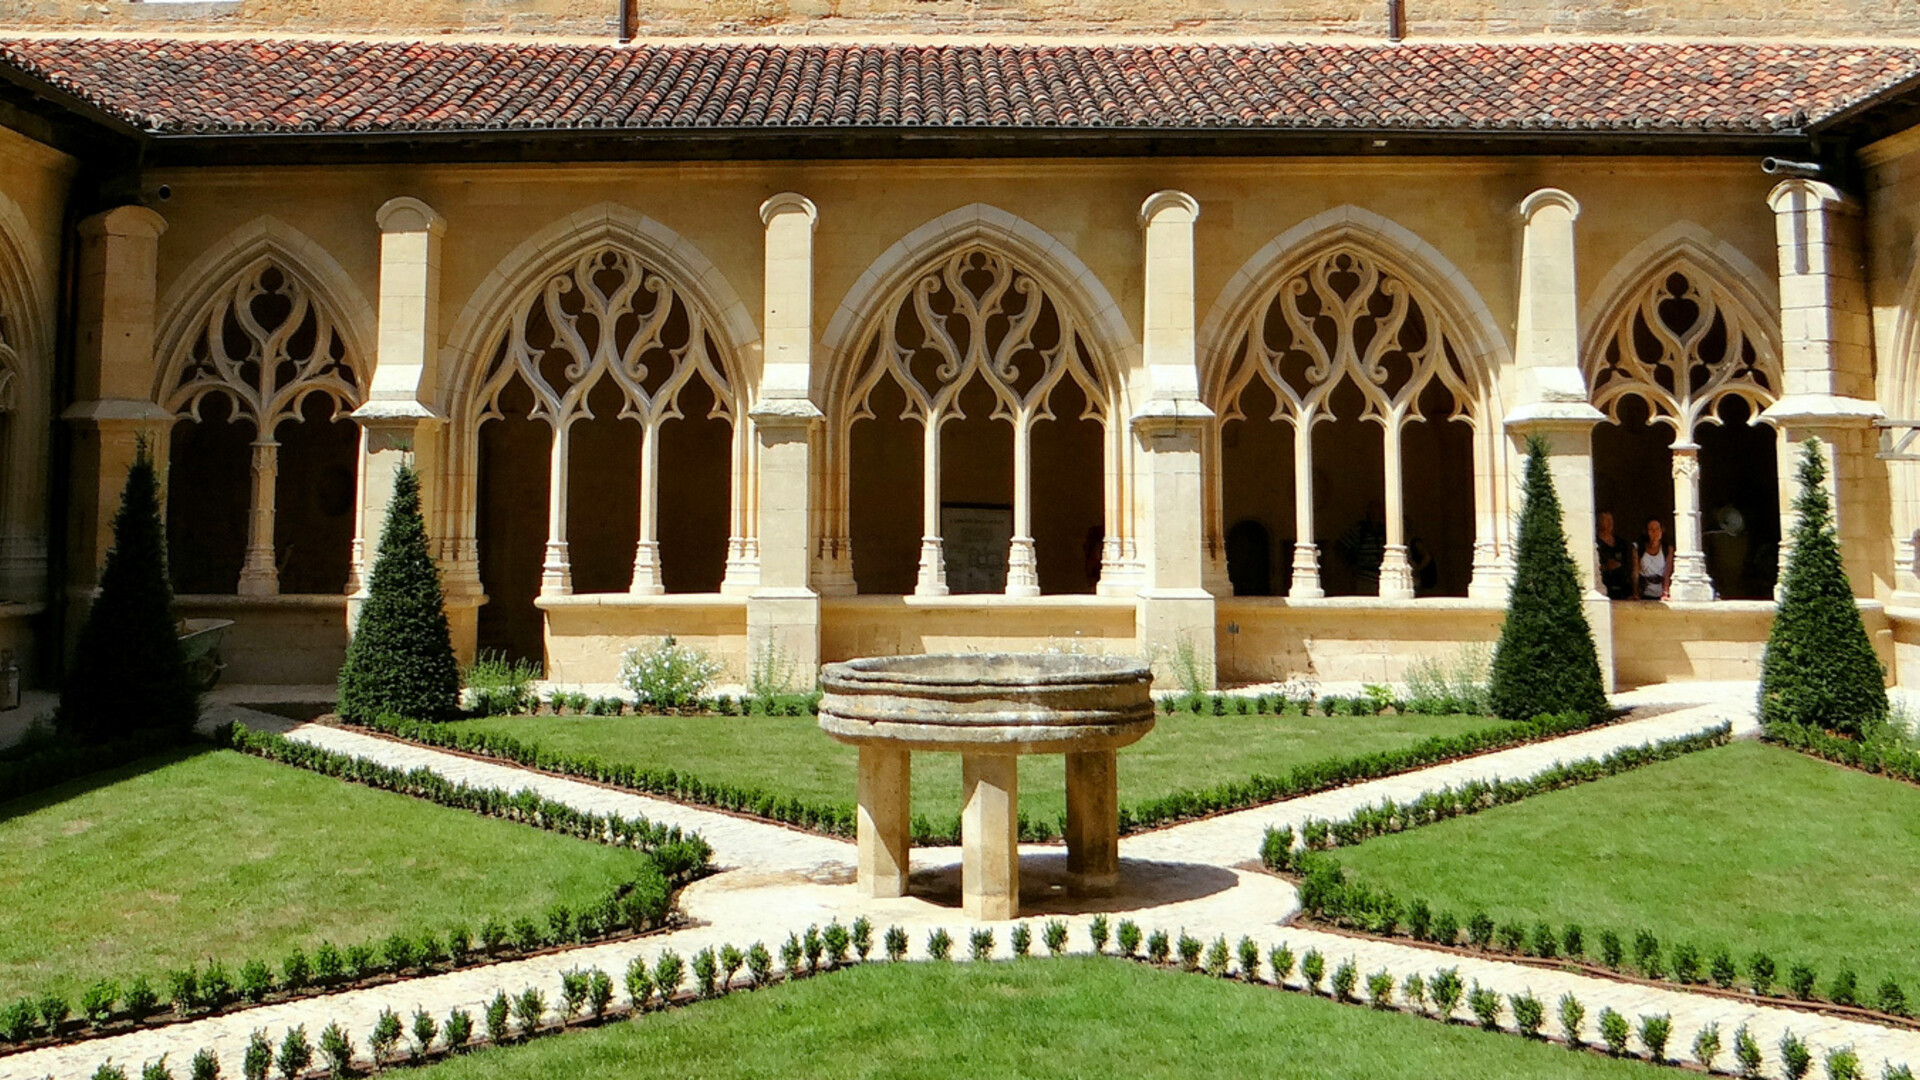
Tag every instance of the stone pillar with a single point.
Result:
(783, 612)
(990, 835)
(113, 383)
(1093, 821)
(397, 410)
(646, 580)
(260, 573)
(885, 827)
(1396, 573)
(1690, 581)
(1176, 613)
(1552, 398)
(1827, 363)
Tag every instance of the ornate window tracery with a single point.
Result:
(9, 369)
(1346, 318)
(1685, 351)
(977, 319)
(609, 317)
(266, 344)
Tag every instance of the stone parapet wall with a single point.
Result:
(906, 18)
(276, 640)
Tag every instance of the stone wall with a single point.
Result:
(902, 18)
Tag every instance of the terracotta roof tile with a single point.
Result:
(170, 86)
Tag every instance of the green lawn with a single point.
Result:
(1034, 1019)
(215, 855)
(790, 756)
(1748, 846)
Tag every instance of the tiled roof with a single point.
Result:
(177, 86)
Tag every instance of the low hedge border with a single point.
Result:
(839, 819)
(589, 998)
(639, 905)
(1882, 756)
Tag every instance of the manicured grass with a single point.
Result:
(790, 756)
(1034, 1019)
(216, 855)
(1749, 846)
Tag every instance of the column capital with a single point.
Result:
(132, 220)
(1553, 416)
(1549, 198)
(407, 214)
(789, 202)
(1175, 207)
(773, 413)
(1171, 415)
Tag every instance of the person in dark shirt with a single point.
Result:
(1615, 560)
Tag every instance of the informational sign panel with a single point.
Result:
(975, 539)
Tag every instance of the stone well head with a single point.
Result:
(1004, 703)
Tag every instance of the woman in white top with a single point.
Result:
(1655, 564)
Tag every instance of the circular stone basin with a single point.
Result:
(990, 709)
(1005, 703)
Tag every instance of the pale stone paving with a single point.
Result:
(1176, 879)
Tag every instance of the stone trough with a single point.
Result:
(989, 709)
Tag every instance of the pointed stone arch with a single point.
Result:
(1683, 328)
(1448, 339)
(25, 405)
(629, 270)
(1026, 274)
(268, 324)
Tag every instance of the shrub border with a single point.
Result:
(839, 820)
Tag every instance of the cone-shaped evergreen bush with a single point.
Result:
(1820, 668)
(129, 675)
(401, 658)
(1545, 662)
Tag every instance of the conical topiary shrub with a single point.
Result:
(401, 658)
(1545, 662)
(129, 675)
(1820, 668)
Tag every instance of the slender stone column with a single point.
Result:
(1690, 581)
(1553, 404)
(1023, 571)
(1396, 573)
(646, 553)
(556, 568)
(1176, 612)
(1306, 553)
(1093, 820)
(1827, 360)
(783, 611)
(397, 414)
(260, 574)
(990, 835)
(933, 560)
(113, 382)
(885, 827)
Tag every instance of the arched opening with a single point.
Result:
(261, 385)
(634, 468)
(1256, 476)
(885, 493)
(1348, 423)
(1684, 367)
(510, 524)
(208, 485)
(1013, 499)
(314, 498)
(1740, 503)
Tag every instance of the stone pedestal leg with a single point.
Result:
(1093, 822)
(990, 836)
(885, 825)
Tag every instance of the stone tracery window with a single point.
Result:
(263, 352)
(1681, 350)
(977, 339)
(9, 370)
(608, 339)
(1343, 339)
